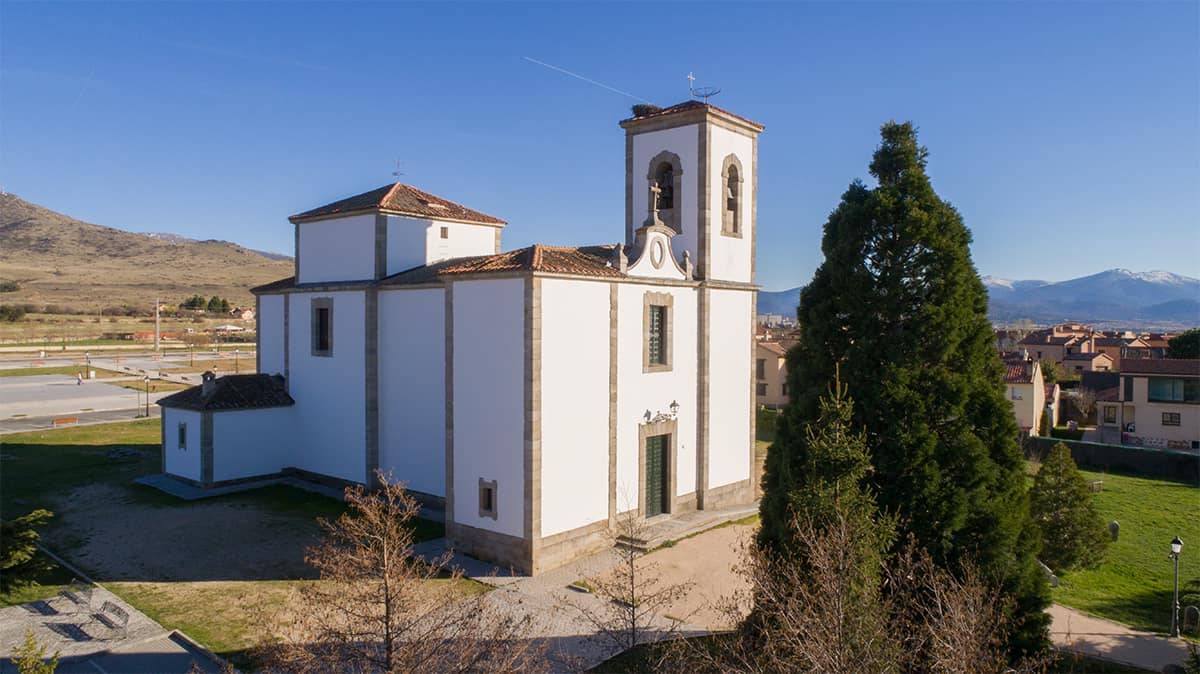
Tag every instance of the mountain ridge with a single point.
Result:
(60, 261)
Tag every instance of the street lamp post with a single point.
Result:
(146, 380)
(1176, 548)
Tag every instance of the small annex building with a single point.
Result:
(530, 394)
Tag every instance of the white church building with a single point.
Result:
(530, 394)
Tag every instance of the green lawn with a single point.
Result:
(1134, 583)
(71, 370)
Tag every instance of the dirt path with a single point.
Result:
(106, 531)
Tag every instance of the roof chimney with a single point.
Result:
(208, 383)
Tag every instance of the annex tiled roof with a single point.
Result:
(400, 199)
(1108, 395)
(574, 261)
(281, 284)
(691, 105)
(1169, 366)
(233, 392)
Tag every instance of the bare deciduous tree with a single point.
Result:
(379, 608)
(840, 614)
(634, 594)
(1085, 400)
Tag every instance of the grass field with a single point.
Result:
(1133, 585)
(225, 615)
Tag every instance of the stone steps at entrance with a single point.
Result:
(660, 531)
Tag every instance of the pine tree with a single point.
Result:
(1073, 534)
(899, 308)
(20, 562)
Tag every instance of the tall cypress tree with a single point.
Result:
(898, 305)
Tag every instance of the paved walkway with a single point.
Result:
(1082, 633)
(86, 645)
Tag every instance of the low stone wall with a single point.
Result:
(1169, 464)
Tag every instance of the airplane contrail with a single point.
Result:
(586, 79)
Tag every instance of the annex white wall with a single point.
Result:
(412, 242)
(412, 387)
(342, 249)
(329, 390)
(730, 256)
(730, 404)
(253, 442)
(638, 392)
(489, 401)
(574, 374)
(270, 333)
(685, 142)
(184, 462)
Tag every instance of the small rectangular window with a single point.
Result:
(1016, 395)
(445, 232)
(1170, 418)
(1128, 381)
(1110, 414)
(760, 368)
(487, 498)
(656, 332)
(785, 389)
(761, 389)
(182, 436)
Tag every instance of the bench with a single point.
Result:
(113, 617)
(79, 594)
(64, 420)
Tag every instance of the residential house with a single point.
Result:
(1156, 405)
(1090, 361)
(1026, 390)
(770, 375)
(1118, 347)
(532, 395)
(1057, 342)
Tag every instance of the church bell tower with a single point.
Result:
(693, 166)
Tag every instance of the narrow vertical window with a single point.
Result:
(322, 326)
(445, 232)
(658, 325)
(656, 351)
(182, 436)
(731, 202)
(760, 368)
(487, 498)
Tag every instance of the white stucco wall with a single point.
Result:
(412, 388)
(731, 366)
(574, 477)
(730, 255)
(489, 400)
(247, 443)
(270, 334)
(342, 249)
(412, 242)
(329, 391)
(685, 142)
(639, 392)
(181, 462)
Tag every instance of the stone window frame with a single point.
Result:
(444, 233)
(731, 221)
(671, 218)
(649, 429)
(181, 439)
(666, 300)
(315, 304)
(1172, 419)
(486, 486)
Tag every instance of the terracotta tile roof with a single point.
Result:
(574, 261)
(403, 200)
(1175, 366)
(1018, 372)
(691, 105)
(774, 347)
(1086, 356)
(281, 284)
(1108, 395)
(233, 392)
(1112, 341)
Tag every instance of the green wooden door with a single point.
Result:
(656, 475)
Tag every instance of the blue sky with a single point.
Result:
(1067, 134)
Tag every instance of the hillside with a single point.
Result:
(60, 261)
(1113, 298)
